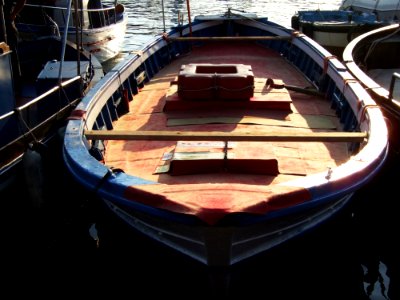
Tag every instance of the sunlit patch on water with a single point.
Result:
(146, 21)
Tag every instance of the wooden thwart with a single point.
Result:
(225, 136)
(228, 38)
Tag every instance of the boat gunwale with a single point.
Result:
(353, 67)
(75, 147)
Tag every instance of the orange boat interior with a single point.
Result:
(222, 87)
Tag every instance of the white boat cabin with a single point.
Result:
(385, 10)
(90, 11)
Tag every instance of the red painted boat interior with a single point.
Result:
(211, 179)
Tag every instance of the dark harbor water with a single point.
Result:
(72, 247)
(54, 251)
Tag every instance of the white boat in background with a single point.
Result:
(373, 60)
(101, 27)
(334, 29)
(385, 10)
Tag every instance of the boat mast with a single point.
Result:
(78, 24)
(2, 22)
(376, 5)
(64, 40)
(163, 14)
(189, 19)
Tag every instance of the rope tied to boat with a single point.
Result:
(165, 36)
(347, 81)
(364, 109)
(326, 62)
(62, 94)
(25, 129)
(297, 33)
(77, 114)
(110, 171)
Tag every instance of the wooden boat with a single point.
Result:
(34, 106)
(373, 59)
(334, 29)
(226, 137)
(101, 29)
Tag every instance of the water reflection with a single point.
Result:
(146, 17)
(353, 256)
(376, 236)
(320, 265)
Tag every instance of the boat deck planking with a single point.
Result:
(309, 114)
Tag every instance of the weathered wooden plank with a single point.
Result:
(225, 136)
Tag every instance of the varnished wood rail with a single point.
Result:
(225, 136)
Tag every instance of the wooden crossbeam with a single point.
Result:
(228, 38)
(225, 136)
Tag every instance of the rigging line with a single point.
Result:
(27, 130)
(78, 34)
(64, 41)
